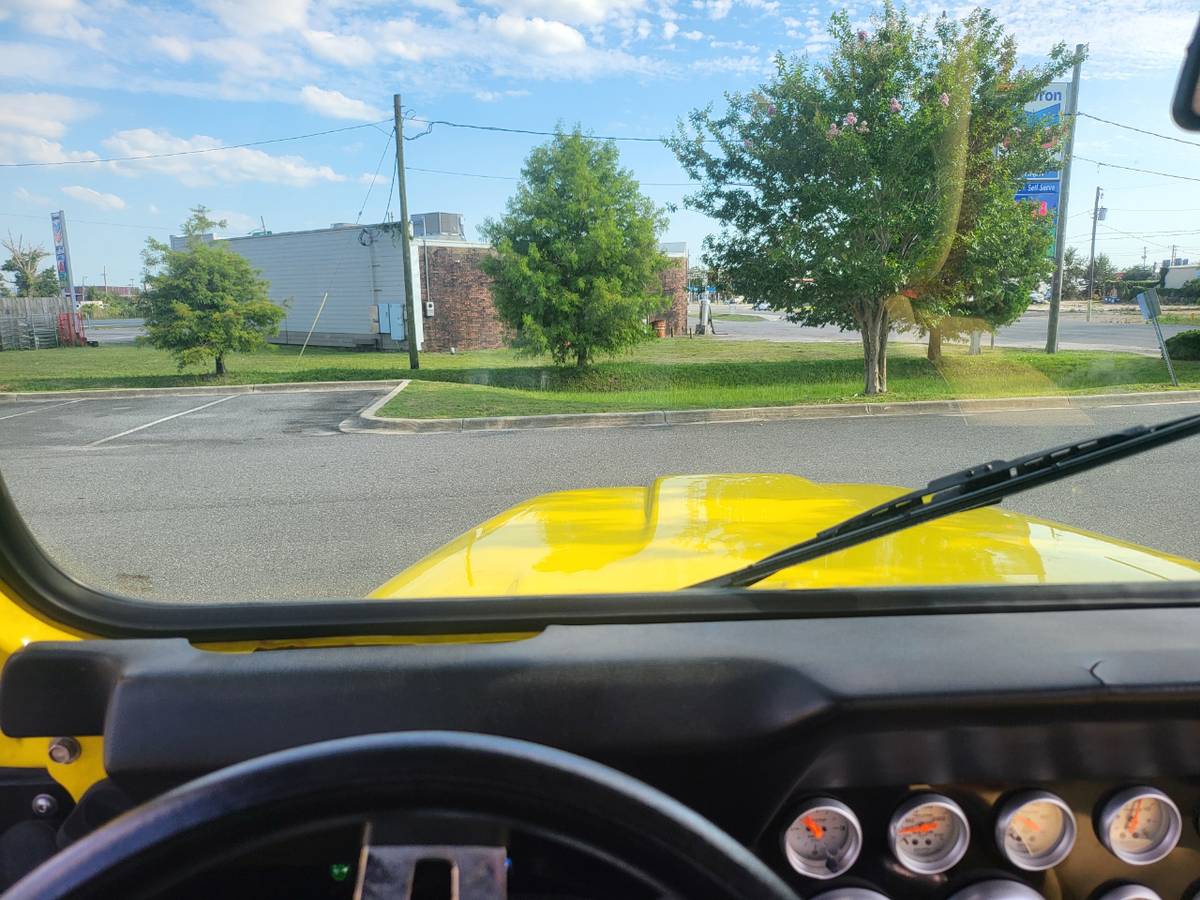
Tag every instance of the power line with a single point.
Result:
(1132, 169)
(515, 178)
(1165, 137)
(89, 221)
(110, 159)
(386, 147)
(529, 131)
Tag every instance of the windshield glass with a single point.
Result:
(497, 297)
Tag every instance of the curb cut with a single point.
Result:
(282, 387)
(368, 421)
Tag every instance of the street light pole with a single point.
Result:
(1092, 256)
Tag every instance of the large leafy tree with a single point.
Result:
(576, 253)
(204, 302)
(838, 183)
(1000, 250)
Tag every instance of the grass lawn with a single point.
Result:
(678, 373)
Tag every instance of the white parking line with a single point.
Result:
(42, 407)
(113, 437)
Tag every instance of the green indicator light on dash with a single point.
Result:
(339, 871)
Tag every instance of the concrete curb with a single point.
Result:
(283, 387)
(376, 424)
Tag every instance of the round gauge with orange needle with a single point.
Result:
(1035, 830)
(824, 839)
(929, 833)
(1139, 825)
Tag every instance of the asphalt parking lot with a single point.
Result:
(260, 496)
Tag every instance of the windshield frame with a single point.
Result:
(40, 585)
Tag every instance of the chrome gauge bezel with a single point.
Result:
(801, 865)
(850, 893)
(1129, 892)
(1066, 843)
(953, 853)
(1112, 806)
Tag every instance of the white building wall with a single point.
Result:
(1178, 276)
(358, 266)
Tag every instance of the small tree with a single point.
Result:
(206, 301)
(576, 253)
(46, 284)
(23, 261)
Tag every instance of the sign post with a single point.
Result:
(1148, 303)
(62, 259)
(1050, 108)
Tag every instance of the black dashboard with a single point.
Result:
(755, 724)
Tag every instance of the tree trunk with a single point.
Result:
(874, 349)
(220, 364)
(581, 359)
(885, 327)
(934, 353)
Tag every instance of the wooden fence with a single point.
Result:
(31, 323)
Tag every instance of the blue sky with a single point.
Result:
(88, 79)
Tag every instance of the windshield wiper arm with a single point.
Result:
(977, 486)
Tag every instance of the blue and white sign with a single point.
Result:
(1044, 188)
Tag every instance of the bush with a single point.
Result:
(1185, 345)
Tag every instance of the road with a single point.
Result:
(259, 496)
(115, 331)
(1075, 333)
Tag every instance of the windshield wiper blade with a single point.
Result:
(971, 488)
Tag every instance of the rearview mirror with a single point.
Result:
(1186, 108)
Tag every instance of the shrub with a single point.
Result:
(1185, 345)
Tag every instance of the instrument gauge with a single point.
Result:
(1139, 825)
(997, 889)
(1035, 830)
(824, 839)
(929, 833)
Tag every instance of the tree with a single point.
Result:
(206, 301)
(837, 184)
(576, 253)
(1140, 273)
(46, 284)
(1103, 272)
(23, 262)
(1001, 248)
(1074, 274)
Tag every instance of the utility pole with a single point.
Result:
(104, 275)
(1143, 256)
(410, 317)
(1060, 235)
(1092, 255)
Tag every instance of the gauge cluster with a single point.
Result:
(982, 843)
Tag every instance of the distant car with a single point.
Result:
(762, 305)
(1112, 298)
(1038, 297)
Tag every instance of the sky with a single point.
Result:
(84, 80)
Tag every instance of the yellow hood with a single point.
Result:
(684, 529)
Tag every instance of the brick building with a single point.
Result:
(329, 281)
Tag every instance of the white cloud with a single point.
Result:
(175, 48)
(95, 198)
(53, 18)
(232, 165)
(261, 16)
(236, 222)
(692, 35)
(448, 8)
(336, 105)
(27, 196)
(574, 12)
(31, 148)
(670, 29)
(153, 209)
(44, 115)
(537, 35)
(494, 96)
(344, 49)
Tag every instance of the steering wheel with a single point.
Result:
(363, 779)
